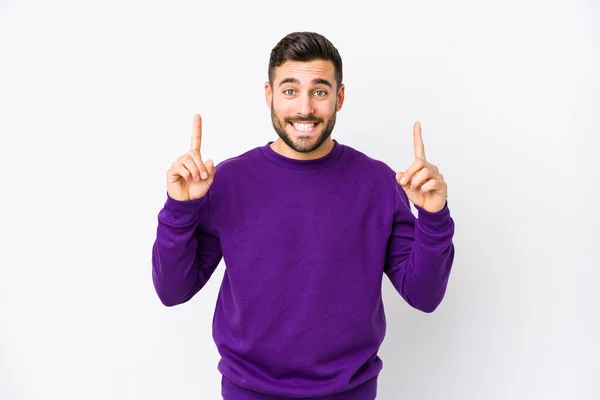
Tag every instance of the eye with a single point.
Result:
(289, 92)
(320, 93)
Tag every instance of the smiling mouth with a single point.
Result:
(304, 127)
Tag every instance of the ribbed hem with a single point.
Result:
(365, 391)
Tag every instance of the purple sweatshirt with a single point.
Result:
(305, 245)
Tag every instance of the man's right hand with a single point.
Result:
(189, 177)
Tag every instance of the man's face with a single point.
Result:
(304, 100)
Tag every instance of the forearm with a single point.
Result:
(421, 274)
(181, 256)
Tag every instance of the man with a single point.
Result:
(306, 227)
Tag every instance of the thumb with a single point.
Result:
(399, 176)
(210, 167)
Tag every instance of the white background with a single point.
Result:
(97, 100)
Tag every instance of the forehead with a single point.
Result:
(305, 71)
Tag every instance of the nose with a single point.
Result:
(305, 106)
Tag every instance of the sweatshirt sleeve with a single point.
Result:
(185, 253)
(420, 253)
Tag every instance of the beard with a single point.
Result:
(304, 143)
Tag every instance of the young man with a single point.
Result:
(306, 227)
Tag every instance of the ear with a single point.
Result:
(340, 97)
(268, 94)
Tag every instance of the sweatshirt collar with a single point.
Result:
(292, 163)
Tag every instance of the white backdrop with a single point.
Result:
(96, 101)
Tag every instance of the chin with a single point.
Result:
(306, 143)
(304, 138)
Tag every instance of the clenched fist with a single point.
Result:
(189, 177)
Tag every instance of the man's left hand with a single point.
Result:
(423, 183)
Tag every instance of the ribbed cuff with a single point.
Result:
(435, 222)
(181, 212)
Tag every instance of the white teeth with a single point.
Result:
(304, 127)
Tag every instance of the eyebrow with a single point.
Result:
(315, 81)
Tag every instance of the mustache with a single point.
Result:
(304, 119)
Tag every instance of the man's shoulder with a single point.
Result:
(240, 161)
(362, 160)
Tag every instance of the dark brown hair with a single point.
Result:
(305, 46)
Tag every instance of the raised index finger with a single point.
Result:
(196, 133)
(418, 142)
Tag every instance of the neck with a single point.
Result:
(280, 147)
